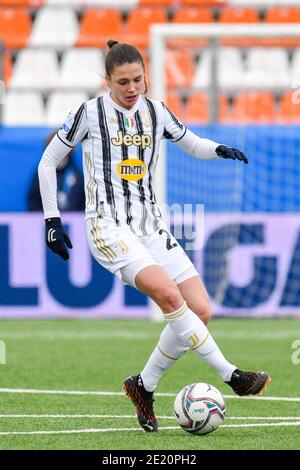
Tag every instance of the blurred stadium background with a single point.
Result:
(52, 57)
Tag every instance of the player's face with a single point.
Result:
(127, 82)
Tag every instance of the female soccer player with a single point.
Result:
(120, 134)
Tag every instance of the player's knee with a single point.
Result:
(204, 312)
(169, 298)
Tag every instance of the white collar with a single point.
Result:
(129, 112)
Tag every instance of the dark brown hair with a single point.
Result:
(120, 54)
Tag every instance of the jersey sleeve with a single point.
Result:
(177, 132)
(54, 153)
(174, 129)
(204, 149)
(75, 127)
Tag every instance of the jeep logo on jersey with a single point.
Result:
(139, 140)
(131, 169)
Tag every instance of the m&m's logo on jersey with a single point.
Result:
(131, 169)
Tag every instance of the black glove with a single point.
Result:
(228, 152)
(56, 238)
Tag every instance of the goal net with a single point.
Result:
(238, 85)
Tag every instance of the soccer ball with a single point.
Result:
(199, 408)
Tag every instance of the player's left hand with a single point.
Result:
(56, 238)
(229, 152)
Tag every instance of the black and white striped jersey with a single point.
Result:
(120, 149)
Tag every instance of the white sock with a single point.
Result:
(188, 328)
(166, 353)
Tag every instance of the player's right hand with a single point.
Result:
(56, 238)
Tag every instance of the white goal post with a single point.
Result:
(160, 33)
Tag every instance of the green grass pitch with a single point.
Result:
(95, 356)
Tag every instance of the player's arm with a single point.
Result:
(204, 149)
(72, 132)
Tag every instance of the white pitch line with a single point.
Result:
(177, 428)
(108, 393)
(129, 335)
(258, 425)
(69, 431)
(63, 392)
(75, 416)
(261, 418)
(291, 399)
(77, 335)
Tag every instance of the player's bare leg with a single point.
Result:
(196, 297)
(156, 283)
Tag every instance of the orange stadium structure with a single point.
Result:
(33, 33)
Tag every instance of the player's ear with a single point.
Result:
(107, 81)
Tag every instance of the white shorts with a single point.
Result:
(125, 254)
